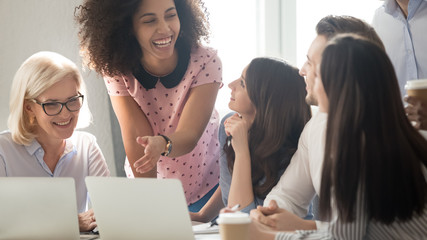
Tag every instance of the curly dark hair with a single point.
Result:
(107, 43)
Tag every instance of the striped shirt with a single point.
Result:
(364, 228)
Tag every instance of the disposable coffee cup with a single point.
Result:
(417, 88)
(234, 226)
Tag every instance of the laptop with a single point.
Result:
(38, 208)
(141, 208)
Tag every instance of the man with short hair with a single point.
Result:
(289, 200)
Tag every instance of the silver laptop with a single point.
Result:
(142, 208)
(38, 208)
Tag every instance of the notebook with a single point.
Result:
(141, 208)
(38, 208)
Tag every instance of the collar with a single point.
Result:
(413, 7)
(171, 80)
(35, 146)
(391, 7)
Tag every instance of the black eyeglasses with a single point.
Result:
(54, 108)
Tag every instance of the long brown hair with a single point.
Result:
(371, 146)
(278, 93)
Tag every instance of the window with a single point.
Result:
(245, 29)
(309, 12)
(233, 33)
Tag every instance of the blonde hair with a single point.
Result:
(38, 73)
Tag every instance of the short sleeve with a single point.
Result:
(116, 86)
(210, 66)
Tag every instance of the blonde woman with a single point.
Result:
(45, 101)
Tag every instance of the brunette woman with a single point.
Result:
(374, 171)
(261, 137)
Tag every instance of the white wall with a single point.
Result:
(309, 12)
(233, 25)
(29, 26)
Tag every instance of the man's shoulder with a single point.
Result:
(318, 120)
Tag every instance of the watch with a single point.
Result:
(168, 147)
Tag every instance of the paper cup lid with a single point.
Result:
(233, 218)
(416, 84)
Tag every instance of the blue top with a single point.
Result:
(225, 175)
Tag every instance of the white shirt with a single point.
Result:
(405, 39)
(82, 157)
(301, 180)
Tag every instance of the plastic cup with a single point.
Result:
(417, 88)
(234, 226)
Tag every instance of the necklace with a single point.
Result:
(149, 80)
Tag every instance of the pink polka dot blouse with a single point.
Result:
(199, 169)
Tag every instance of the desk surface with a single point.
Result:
(197, 236)
(211, 236)
(207, 236)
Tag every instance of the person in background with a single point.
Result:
(259, 140)
(374, 170)
(401, 26)
(162, 84)
(45, 100)
(289, 200)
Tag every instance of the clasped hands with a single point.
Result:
(278, 219)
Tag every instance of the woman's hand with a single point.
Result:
(154, 147)
(87, 221)
(237, 127)
(260, 231)
(241, 191)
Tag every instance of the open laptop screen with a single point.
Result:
(142, 208)
(38, 208)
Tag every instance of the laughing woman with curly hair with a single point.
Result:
(162, 84)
